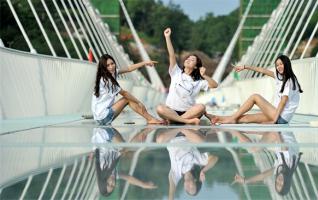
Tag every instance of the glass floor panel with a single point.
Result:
(79, 160)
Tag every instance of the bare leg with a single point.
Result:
(167, 136)
(140, 109)
(167, 113)
(253, 118)
(195, 111)
(119, 106)
(193, 136)
(268, 110)
(213, 118)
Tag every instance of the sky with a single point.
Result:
(198, 8)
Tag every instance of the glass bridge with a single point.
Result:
(76, 159)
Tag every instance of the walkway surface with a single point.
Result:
(58, 157)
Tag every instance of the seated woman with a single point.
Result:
(186, 83)
(104, 107)
(286, 98)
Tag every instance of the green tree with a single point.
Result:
(212, 34)
(151, 18)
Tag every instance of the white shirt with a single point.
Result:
(105, 100)
(288, 138)
(184, 158)
(107, 155)
(293, 97)
(183, 90)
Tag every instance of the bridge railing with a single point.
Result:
(33, 84)
(290, 23)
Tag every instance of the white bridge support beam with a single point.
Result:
(154, 77)
(217, 76)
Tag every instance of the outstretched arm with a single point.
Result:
(212, 83)
(172, 56)
(172, 188)
(254, 179)
(134, 181)
(212, 160)
(256, 69)
(133, 67)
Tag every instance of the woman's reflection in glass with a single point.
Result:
(107, 159)
(187, 162)
(287, 160)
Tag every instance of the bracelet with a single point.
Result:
(244, 67)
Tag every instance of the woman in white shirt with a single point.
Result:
(286, 97)
(104, 107)
(186, 84)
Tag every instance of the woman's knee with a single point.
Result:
(160, 138)
(160, 108)
(256, 96)
(201, 107)
(124, 100)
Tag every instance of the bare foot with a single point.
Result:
(227, 120)
(194, 121)
(156, 121)
(216, 119)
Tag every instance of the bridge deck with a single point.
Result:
(40, 147)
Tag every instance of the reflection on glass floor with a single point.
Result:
(81, 161)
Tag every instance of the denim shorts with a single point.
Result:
(281, 120)
(108, 119)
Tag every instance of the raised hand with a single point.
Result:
(149, 185)
(167, 32)
(202, 176)
(150, 63)
(202, 71)
(238, 179)
(238, 68)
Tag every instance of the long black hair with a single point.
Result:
(288, 74)
(103, 73)
(287, 173)
(104, 172)
(195, 171)
(195, 74)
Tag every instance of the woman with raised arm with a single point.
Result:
(186, 83)
(285, 103)
(104, 107)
